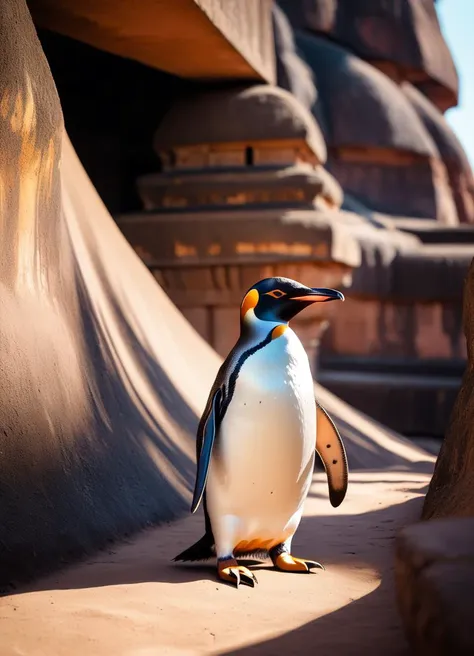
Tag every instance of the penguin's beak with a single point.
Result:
(321, 295)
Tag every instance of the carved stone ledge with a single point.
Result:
(218, 256)
(295, 185)
(239, 237)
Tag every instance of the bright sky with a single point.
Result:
(457, 24)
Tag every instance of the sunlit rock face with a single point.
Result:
(451, 492)
(96, 431)
(434, 565)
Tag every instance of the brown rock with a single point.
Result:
(360, 105)
(96, 429)
(293, 73)
(379, 149)
(297, 185)
(452, 153)
(434, 575)
(405, 35)
(451, 491)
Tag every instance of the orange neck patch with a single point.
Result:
(250, 301)
(278, 331)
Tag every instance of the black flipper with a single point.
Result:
(204, 456)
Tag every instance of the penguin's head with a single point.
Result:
(280, 299)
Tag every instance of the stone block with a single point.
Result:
(380, 149)
(434, 575)
(417, 188)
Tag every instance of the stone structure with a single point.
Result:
(395, 350)
(434, 574)
(451, 152)
(402, 38)
(242, 195)
(379, 149)
(382, 147)
(351, 168)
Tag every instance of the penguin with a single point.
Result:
(258, 436)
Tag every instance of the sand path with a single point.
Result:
(132, 601)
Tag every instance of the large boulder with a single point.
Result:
(451, 491)
(434, 573)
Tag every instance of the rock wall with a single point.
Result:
(451, 491)
(217, 40)
(99, 396)
(401, 37)
(434, 564)
(382, 148)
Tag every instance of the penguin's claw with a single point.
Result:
(231, 572)
(288, 563)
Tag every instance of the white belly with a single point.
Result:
(267, 445)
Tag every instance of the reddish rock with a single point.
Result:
(403, 38)
(434, 574)
(452, 153)
(379, 149)
(451, 491)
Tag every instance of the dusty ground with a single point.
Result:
(133, 601)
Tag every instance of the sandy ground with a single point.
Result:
(133, 601)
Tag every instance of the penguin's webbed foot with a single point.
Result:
(285, 562)
(231, 572)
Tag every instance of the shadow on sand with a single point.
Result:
(342, 542)
(369, 625)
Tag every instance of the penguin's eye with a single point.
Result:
(275, 293)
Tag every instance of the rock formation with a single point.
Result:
(435, 558)
(97, 409)
(451, 491)
(382, 76)
(401, 38)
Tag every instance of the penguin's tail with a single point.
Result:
(203, 549)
